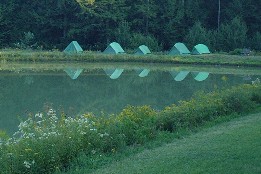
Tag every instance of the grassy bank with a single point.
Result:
(55, 56)
(232, 147)
(51, 67)
(46, 142)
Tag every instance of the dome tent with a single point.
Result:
(200, 49)
(73, 47)
(114, 48)
(142, 50)
(179, 49)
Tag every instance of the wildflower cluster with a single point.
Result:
(44, 126)
(46, 139)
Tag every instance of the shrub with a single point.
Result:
(27, 42)
(205, 107)
(236, 51)
(137, 124)
(138, 39)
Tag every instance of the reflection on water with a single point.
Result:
(73, 72)
(200, 76)
(179, 76)
(73, 91)
(113, 73)
(142, 72)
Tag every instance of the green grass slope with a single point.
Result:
(232, 147)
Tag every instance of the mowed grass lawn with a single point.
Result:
(232, 147)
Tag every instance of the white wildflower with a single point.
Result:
(40, 115)
(83, 133)
(27, 164)
(51, 112)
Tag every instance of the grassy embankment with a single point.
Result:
(46, 143)
(233, 147)
(49, 56)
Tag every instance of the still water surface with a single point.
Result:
(76, 90)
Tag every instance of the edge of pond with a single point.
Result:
(93, 66)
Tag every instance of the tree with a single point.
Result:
(197, 34)
(9, 31)
(233, 35)
(107, 16)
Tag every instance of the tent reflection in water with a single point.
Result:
(114, 73)
(179, 49)
(179, 76)
(200, 76)
(142, 50)
(73, 72)
(114, 48)
(73, 48)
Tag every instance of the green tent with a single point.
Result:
(114, 48)
(200, 49)
(73, 47)
(142, 50)
(179, 49)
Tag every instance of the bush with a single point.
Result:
(137, 124)
(138, 39)
(205, 107)
(27, 42)
(236, 51)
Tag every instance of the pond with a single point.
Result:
(75, 89)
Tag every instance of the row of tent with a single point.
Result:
(115, 48)
(74, 73)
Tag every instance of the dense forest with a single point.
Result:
(52, 24)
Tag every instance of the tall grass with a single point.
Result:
(46, 142)
(90, 56)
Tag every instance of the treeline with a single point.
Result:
(53, 24)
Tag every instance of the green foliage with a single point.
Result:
(233, 34)
(255, 41)
(236, 51)
(47, 143)
(123, 34)
(138, 39)
(205, 107)
(197, 34)
(137, 124)
(27, 42)
(96, 23)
